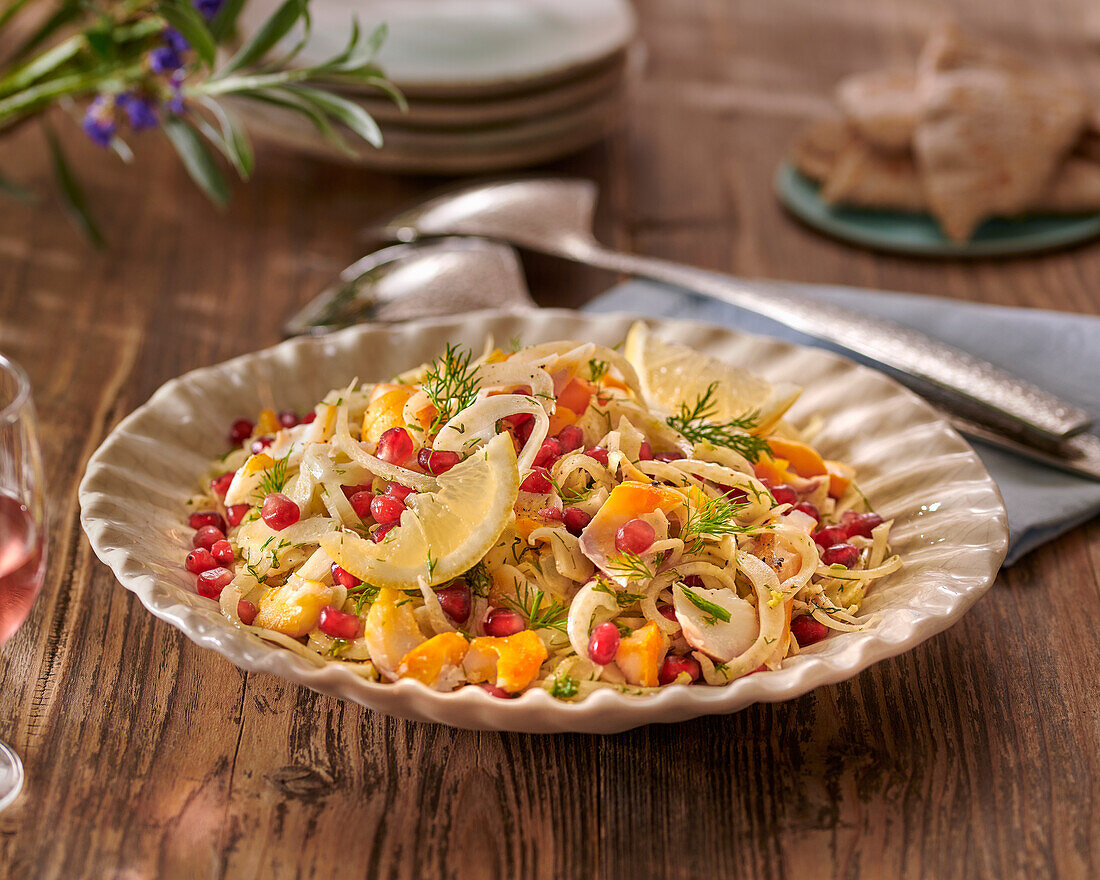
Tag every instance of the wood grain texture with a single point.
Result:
(976, 755)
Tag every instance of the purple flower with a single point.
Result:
(164, 59)
(208, 8)
(99, 120)
(141, 111)
(173, 39)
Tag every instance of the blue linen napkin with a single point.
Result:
(1056, 350)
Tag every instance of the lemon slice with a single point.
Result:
(442, 533)
(673, 374)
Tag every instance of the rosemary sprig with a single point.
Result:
(451, 384)
(552, 615)
(695, 423)
(713, 518)
(714, 612)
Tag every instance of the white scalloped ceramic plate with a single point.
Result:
(949, 520)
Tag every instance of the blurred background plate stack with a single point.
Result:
(491, 84)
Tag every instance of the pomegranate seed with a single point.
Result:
(456, 601)
(859, 525)
(308, 418)
(495, 691)
(344, 578)
(260, 444)
(845, 554)
(598, 453)
(784, 494)
(223, 552)
(379, 534)
(220, 483)
(279, 512)
(668, 611)
(645, 451)
(288, 418)
(735, 496)
(807, 631)
(604, 643)
(763, 667)
(199, 560)
(394, 446)
(396, 490)
(437, 463)
(338, 624)
(694, 581)
(386, 509)
(236, 513)
(829, 535)
(635, 536)
(501, 622)
(206, 518)
(352, 490)
(537, 481)
(247, 611)
(240, 431)
(576, 520)
(809, 509)
(207, 537)
(551, 513)
(361, 503)
(668, 456)
(519, 421)
(677, 663)
(570, 437)
(548, 453)
(212, 581)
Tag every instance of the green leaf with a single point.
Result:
(183, 16)
(273, 30)
(36, 68)
(225, 22)
(290, 101)
(71, 192)
(705, 605)
(233, 138)
(347, 112)
(197, 159)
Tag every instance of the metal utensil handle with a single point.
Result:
(986, 393)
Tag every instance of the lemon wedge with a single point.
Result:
(442, 533)
(673, 374)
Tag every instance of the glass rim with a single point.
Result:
(22, 394)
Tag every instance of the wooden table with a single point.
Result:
(976, 755)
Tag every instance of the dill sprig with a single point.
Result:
(631, 566)
(364, 594)
(695, 423)
(570, 497)
(451, 385)
(623, 598)
(713, 612)
(275, 478)
(478, 580)
(552, 615)
(597, 369)
(714, 518)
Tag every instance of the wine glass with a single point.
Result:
(22, 528)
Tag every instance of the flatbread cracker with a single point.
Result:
(882, 106)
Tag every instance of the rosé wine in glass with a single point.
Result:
(22, 530)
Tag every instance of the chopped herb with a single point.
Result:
(714, 612)
(361, 595)
(624, 599)
(515, 343)
(694, 423)
(570, 497)
(274, 478)
(711, 519)
(478, 580)
(564, 687)
(337, 646)
(597, 369)
(432, 563)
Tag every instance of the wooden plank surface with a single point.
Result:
(975, 755)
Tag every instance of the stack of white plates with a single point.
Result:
(491, 84)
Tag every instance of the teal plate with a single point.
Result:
(919, 233)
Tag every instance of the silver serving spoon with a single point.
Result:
(554, 216)
(443, 276)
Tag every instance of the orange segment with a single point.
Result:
(427, 661)
(840, 477)
(803, 459)
(640, 654)
(576, 395)
(294, 608)
(268, 423)
(562, 416)
(513, 661)
(385, 412)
